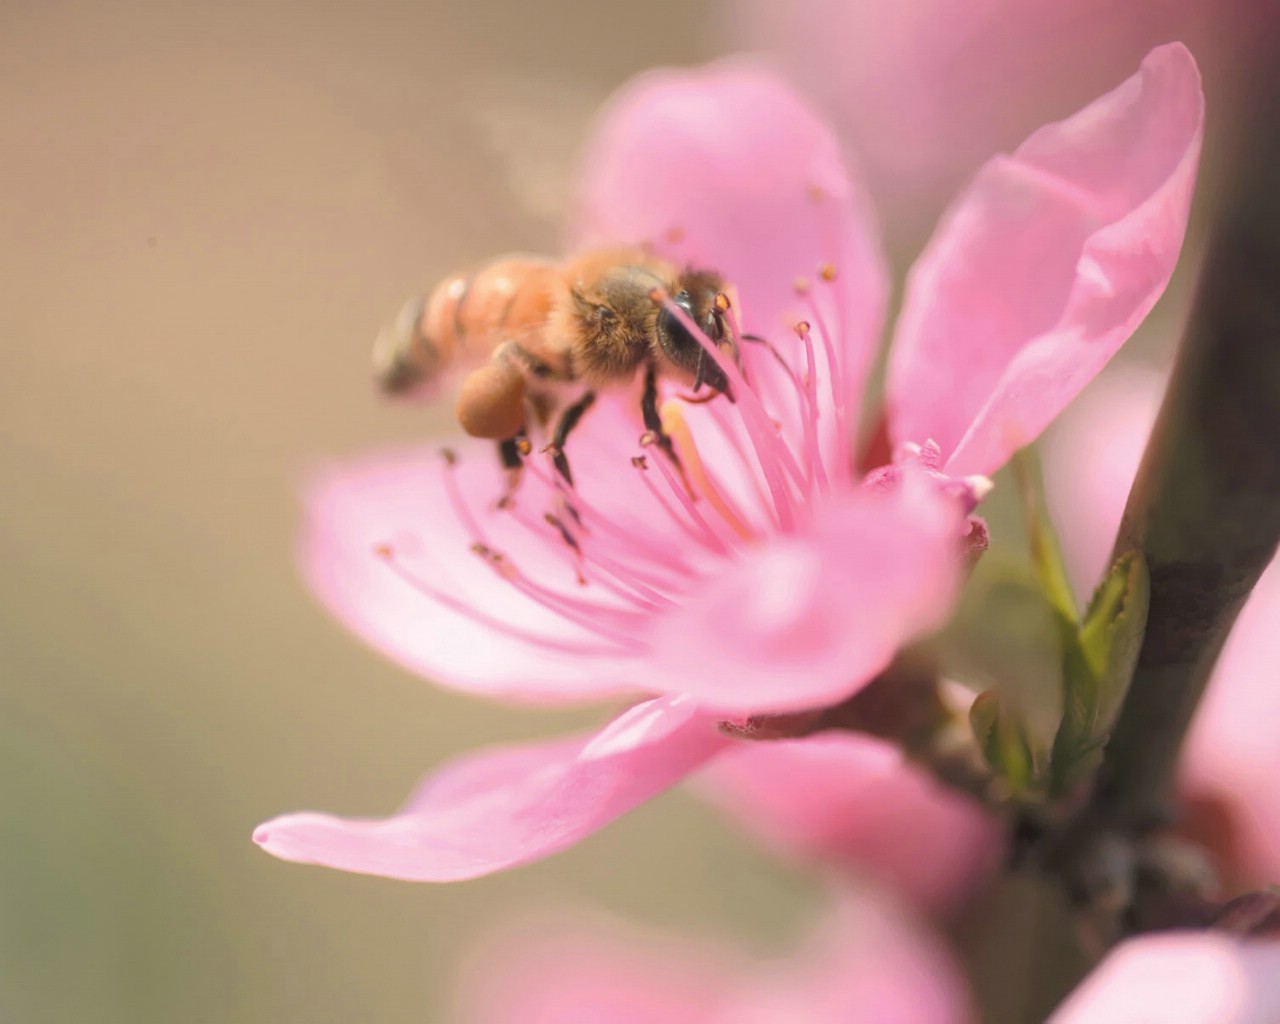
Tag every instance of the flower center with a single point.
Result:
(643, 528)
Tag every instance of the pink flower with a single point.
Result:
(865, 962)
(853, 802)
(1231, 757)
(925, 90)
(785, 585)
(1180, 979)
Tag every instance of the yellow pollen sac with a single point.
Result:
(675, 427)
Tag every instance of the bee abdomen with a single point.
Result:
(464, 319)
(418, 345)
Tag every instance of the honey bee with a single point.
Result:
(541, 338)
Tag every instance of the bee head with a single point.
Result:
(696, 293)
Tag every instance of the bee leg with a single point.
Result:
(511, 453)
(568, 420)
(653, 421)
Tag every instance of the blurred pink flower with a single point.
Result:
(923, 91)
(865, 962)
(1180, 978)
(855, 803)
(785, 586)
(1232, 758)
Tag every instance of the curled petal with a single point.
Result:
(854, 802)
(807, 620)
(727, 168)
(1180, 979)
(505, 807)
(1045, 266)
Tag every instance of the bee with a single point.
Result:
(539, 340)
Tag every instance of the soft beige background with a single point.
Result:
(206, 210)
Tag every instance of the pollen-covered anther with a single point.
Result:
(524, 446)
(722, 302)
(827, 271)
(802, 328)
(384, 551)
(640, 462)
(801, 285)
(647, 440)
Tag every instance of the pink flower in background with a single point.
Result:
(1180, 978)
(856, 804)
(925, 90)
(865, 962)
(780, 584)
(1232, 758)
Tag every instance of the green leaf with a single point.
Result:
(1098, 664)
(1005, 741)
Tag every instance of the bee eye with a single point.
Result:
(685, 350)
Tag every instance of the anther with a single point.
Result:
(801, 285)
(802, 328)
(640, 462)
(827, 271)
(449, 456)
(648, 439)
(384, 551)
(523, 446)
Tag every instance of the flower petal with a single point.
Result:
(493, 640)
(505, 807)
(853, 801)
(1180, 979)
(753, 185)
(1045, 266)
(807, 620)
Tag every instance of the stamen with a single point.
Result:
(812, 451)
(774, 456)
(677, 429)
(589, 615)
(460, 507)
(684, 493)
(387, 554)
(836, 380)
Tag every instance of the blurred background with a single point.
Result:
(207, 210)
